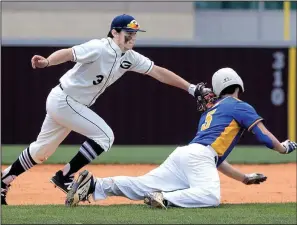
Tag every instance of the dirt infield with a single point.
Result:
(34, 187)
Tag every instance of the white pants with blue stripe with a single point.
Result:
(187, 178)
(64, 115)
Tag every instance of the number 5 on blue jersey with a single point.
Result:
(208, 120)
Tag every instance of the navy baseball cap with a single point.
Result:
(125, 22)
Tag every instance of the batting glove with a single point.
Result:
(192, 89)
(290, 146)
(254, 178)
(198, 90)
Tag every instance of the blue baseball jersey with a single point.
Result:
(222, 125)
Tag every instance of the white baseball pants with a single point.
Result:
(187, 178)
(64, 114)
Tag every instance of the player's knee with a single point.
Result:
(40, 153)
(111, 137)
(216, 202)
(215, 199)
(104, 141)
(103, 138)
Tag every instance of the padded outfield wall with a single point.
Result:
(139, 109)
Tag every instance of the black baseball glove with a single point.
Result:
(205, 97)
(254, 178)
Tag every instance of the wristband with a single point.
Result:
(191, 89)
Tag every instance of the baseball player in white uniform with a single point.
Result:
(189, 176)
(99, 63)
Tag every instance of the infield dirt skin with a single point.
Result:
(33, 187)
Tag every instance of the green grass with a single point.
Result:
(150, 155)
(141, 214)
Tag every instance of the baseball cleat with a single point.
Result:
(81, 189)
(4, 189)
(155, 200)
(64, 183)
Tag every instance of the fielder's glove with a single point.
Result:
(204, 96)
(290, 146)
(201, 90)
(254, 178)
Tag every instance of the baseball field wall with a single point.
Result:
(140, 110)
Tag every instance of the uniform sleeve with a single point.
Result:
(246, 115)
(220, 161)
(87, 52)
(141, 63)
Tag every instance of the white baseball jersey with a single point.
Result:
(99, 63)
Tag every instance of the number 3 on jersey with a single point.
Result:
(99, 80)
(208, 120)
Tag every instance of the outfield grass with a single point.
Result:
(141, 214)
(150, 155)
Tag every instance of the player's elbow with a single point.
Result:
(157, 73)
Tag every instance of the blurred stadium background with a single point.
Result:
(193, 39)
